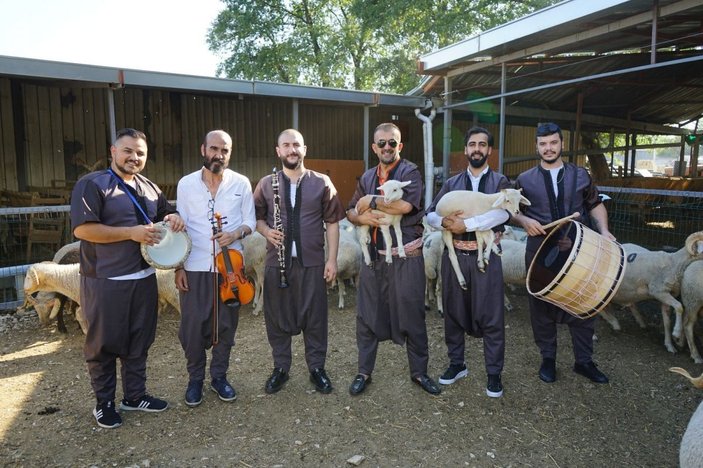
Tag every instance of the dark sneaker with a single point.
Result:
(494, 387)
(223, 389)
(106, 415)
(146, 403)
(590, 371)
(453, 373)
(194, 393)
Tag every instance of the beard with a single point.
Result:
(552, 160)
(292, 165)
(132, 169)
(214, 165)
(476, 163)
(388, 157)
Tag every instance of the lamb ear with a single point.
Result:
(499, 201)
(403, 184)
(524, 200)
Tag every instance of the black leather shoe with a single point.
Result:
(276, 381)
(358, 385)
(548, 370)
(590, 371)
(321, 381)
(427, 384)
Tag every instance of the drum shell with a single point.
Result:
(589, 272)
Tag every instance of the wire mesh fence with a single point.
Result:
(654, 219)
(28, 235)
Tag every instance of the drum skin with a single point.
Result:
(171, 252)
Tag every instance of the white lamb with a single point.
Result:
(392, 191)
(471, 204)
(692, 300)
(657, 275)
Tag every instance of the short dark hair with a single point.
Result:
(386, 127)
(548, 128)
(130, 132)
(475, 131)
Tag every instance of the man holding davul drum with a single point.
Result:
(557, 189)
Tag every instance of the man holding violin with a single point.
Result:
(218, 209)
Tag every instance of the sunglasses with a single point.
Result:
(382, 143)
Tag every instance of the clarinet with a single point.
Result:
(278, 226)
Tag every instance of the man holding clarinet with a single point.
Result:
(296, 211)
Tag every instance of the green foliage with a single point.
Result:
(358, 44)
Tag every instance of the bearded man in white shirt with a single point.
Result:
(212, 189)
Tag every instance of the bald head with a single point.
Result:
(290, 132)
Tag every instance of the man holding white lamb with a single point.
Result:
(478, 309)
(390, 297)
(555, 190)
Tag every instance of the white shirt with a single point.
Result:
(233, 200)
(482, 222)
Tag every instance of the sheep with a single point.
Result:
(432, 248)
(65, 279)
(692, 300)
(48, 304)
(513, 263)
(348, 259)
(657, 275)
(470, 204)
(691, 450)
(392, 191)
(52, 277)
(254, 254)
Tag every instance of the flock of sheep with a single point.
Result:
(650, 275)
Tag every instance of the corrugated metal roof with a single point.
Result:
(93, 75)
(560, 48)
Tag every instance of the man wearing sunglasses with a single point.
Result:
(557, 189)
(478, 311)
(390, 298)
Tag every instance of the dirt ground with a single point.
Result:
(636, 420)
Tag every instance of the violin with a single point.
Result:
(235, 287)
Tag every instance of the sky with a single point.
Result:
(154, 35)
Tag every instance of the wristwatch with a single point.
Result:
(244, 233)
(372, 205)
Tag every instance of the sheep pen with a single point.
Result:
(636, 420)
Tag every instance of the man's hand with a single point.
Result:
(275, 237)
(175, 221)
(148, 234)
(181, 280)
(454, 223)
(331, 270)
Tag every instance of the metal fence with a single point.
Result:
(655, 219)
(28, 235)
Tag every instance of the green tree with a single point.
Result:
(359, 44)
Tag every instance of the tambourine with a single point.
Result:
(171, 252)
